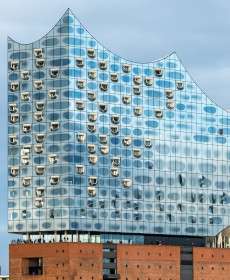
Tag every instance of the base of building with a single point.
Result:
(87, 261)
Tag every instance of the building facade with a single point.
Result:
(102, 149)
(99, 143)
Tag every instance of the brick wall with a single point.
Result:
(148, 262)
(211, 264)
(61, 261)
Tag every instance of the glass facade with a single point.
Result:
(98, 143)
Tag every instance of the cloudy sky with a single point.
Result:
(139, 30)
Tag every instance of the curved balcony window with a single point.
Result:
(114, 77)
(40, 106)
(52, 93)
(103, 86)
(81, 137)
(92, 180)
(38, 84)
(103, 65)
(25, 96)
(26, 181)
(26, 128)
(25, 75)
(38, 52)
(137, 111)
(127, 183)
(115, 119)
(104, 149)
(13, 139)
(14, 86)
(25, 151)
(126, 99)
(92, 117)
(40, 169)
(80, 84)
(40, 138)
(91, 53)
(127, 141)
(137, 80)
(14, 118)
(92, 159)
(92, 191)
(80, 105)
(91, 127)
(92, 96)
(137, 153)
(13, 108)
(54, 72)
(148, 143)
(39, 202)
(148, 81)
(114, 129)
(92, 74)
(103, 139)
(54, 126)
(54, 180)
(170, 104)
(114, 171)
(103, 107)
(40, 62)
(158, 72)
(79, 62)
(169, 93)
(80, 169)
(40, 191)
(38, 148)
(91, 148)
(14, 171)
(179, 85)
(25, 160)
(158, 113)
(126, 68)
(14, 65)
(136, 90)
(53, 158)
(115, 161)
(38, 116)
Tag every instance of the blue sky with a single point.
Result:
(138, 30)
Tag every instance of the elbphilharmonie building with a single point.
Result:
(102, 146)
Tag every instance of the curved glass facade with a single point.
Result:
(99, 143)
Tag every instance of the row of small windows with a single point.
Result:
(92, 116)
(25, 75)
(40, 62)
(126, 99)
(39, 84)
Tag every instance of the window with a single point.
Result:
(33, 266)
(25, 75)
(14, 65)
(14, 86)
(54, 72)
(40, 62)
(38, 84)
(137, 80)
(103, 86)
(80, 62)
(38, 53)
(103, 65)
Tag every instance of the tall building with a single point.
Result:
(106, 150)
